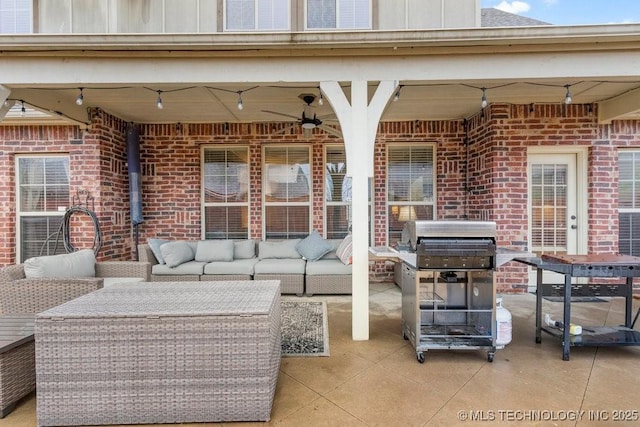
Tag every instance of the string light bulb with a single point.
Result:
(397, 95)
(159, 101)
(484, 102)
(240, 104)
(23, 111)
(320, 100)
(567, 98)
(80, 98)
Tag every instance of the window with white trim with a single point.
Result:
(42, 200)
(286, 178)
(629, 202)
(410, 186)
(337, 193)
(338, 14)
(16, 16)
(254, 15)
(225, 187)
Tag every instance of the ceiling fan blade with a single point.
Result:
(284, 130)
(281, 114)
(330, 130)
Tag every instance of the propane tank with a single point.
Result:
(503, 324)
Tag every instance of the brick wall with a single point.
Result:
(481, 173)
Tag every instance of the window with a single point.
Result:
(410, 188)
(629, 203)
(286, 178)
(43, 197)
(338, 193)
(249, 15)
(225, 195)
(15, 16)
(338, 14)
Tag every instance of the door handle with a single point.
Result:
(573, 226)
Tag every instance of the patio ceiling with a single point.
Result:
(502, 61)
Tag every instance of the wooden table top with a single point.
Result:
(15, 330)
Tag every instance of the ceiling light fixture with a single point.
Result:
(567, 98)
(159, 101)
(240, 104)
(484, 102)
(80, 98)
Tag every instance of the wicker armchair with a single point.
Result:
(21, 295)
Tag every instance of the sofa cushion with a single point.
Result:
(280, 266)
(176, 253)
(189, 267)
(334, 246)
(154, 245)
(238, 266)
(313, 247)
(214, 250)
(328, 267)
(345, 250)
(76, 264)
(244, 249)
(279, 250)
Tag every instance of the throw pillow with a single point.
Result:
(176, 253)
(244, 249)
(313, 247)
(214, 250)
(154, 245)
(345, 250)
(278, 250)
(76, 264)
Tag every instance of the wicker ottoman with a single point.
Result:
(17, 360)
(144, 353)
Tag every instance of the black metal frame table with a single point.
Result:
(610, 266)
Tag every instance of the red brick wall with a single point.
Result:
(481, 173)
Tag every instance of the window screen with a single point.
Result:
(247, 15)
(15, 16)
(43, 197)
(287, 185)
(410, 188)
(629, 202)
(338, 14)
(225, 197)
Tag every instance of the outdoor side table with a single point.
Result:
(590, 266)
(17, 360)
(147, 353)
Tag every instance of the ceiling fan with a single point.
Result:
(307, 121)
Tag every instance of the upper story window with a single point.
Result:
(15, 16)
(338, 14)
(256, 15)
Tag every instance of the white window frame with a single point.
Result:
(246, 204)
(59, 212)
(338, 27)
(432, 203)
(12, 13)
(255, 19)
(265, 203)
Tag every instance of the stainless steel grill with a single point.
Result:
(448, 295)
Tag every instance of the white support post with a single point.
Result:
(359, 122)
(4, 108)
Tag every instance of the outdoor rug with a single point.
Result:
(305, 329)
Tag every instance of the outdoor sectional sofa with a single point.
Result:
(312, 265)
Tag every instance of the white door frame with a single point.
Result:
(581, 198)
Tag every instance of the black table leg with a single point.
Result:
(539, 272)
(566, 342)
(629, 303)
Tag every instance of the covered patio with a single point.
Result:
(249, 79)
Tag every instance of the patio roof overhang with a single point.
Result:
(200, 77)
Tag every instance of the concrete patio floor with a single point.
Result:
(380, 383)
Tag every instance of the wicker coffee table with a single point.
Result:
(147, 353)
(17, 360)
